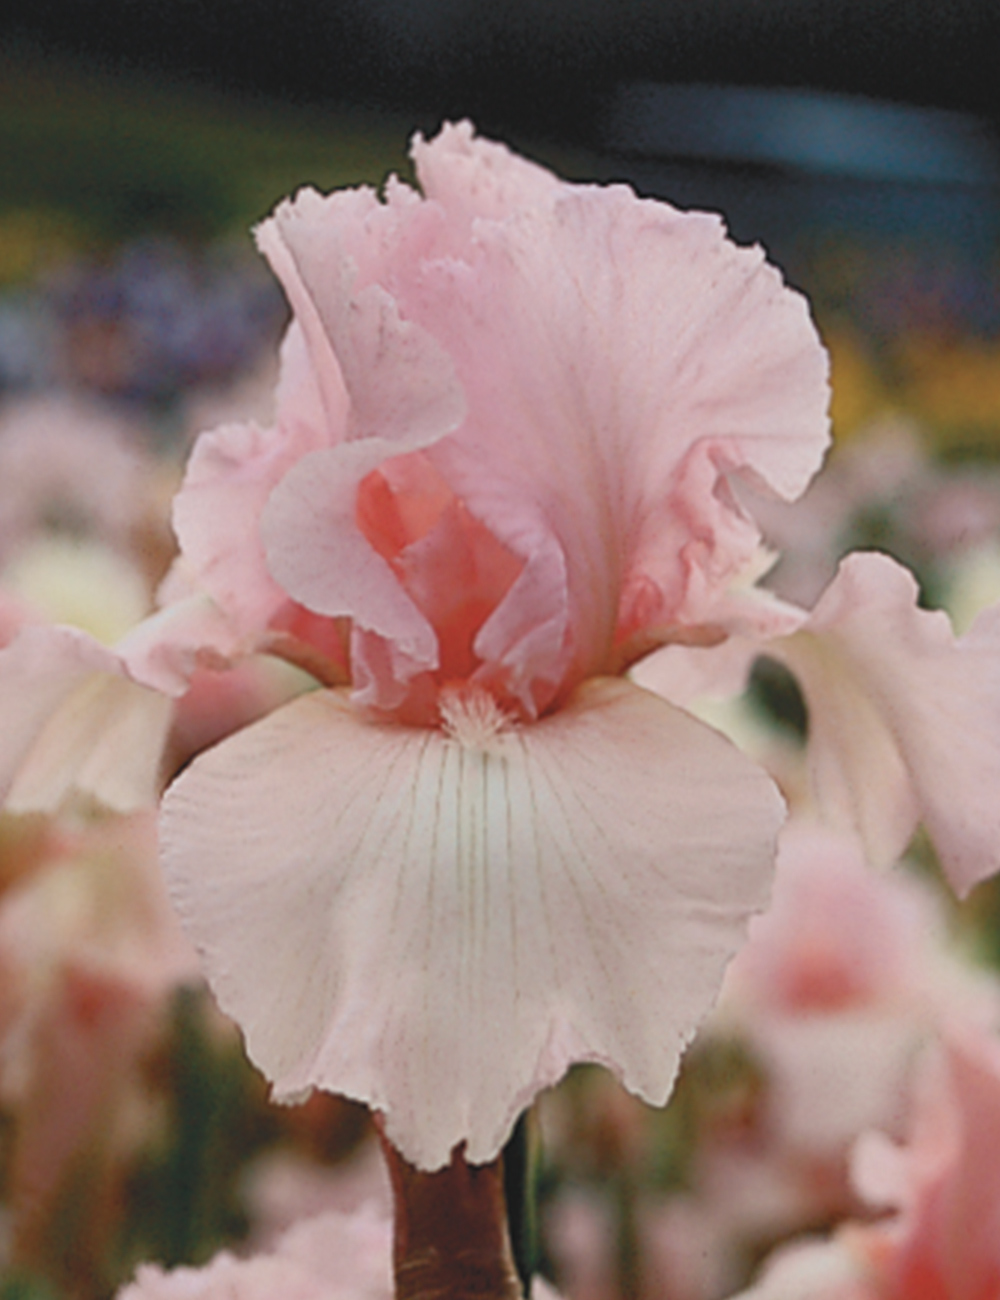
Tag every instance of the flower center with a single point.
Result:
(471, 716)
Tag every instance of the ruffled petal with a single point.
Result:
(470, 177)
(399, 382)
(620, 360)
(165, 650)
(585, 371)
(229, 477)
(216, 516)
(402, 396)
(903, 718)
(318, 551)
(439, 923)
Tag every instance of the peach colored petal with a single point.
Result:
(230, 475)
(904, 719)
(441, 922)
(323, 559)
(402, 396)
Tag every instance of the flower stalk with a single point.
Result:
(451, 1239)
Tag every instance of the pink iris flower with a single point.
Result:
(509, 418)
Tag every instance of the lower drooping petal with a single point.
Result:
(441, 923)
(904, 718)
(74, 720)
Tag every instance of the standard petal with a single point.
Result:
(904, 719)
(399, 381)
(440, 927)
(471, 177)
(402, 396)
(620, 360)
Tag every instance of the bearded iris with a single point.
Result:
(509, 421)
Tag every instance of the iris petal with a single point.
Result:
(439, 922)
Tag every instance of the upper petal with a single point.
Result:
(441, 926)
(471, 177)
(586, 371)
(620, 359)
(399, 383)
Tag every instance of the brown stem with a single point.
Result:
(451, 1240)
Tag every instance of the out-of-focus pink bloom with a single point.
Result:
(90, 951)
(508, 419)
(818, 1271)
(75, 721)
(77, 469)
(843, 979)
(684, 1251)
(331, 1257)
(944, 1183)
(78, 549)
(943, 1241)
(838, 937)
(72, 1114)
(842, 983)
(282, 1188)
(99, 901)
(580, 1233)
